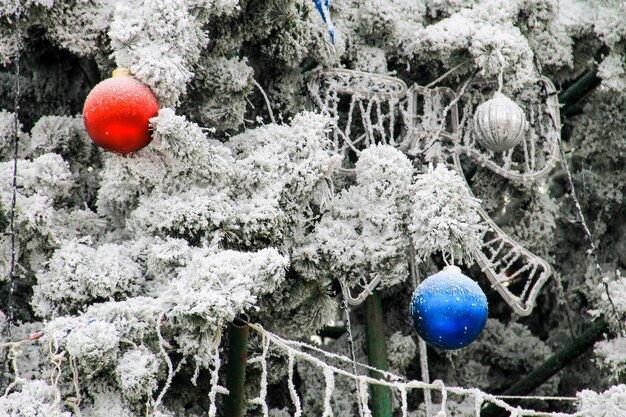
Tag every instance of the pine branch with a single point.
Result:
(551, 366)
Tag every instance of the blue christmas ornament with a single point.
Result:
(449, 309)
(323, 6)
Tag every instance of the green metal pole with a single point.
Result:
(579, 89)
(380, 396)
(236, 369)
(551, 366)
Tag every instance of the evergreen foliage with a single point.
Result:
(137, 264)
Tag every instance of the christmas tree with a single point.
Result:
(307, 165)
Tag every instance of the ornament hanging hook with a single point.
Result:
(502, 61)
(355, 301)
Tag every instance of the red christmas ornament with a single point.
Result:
(117, 113)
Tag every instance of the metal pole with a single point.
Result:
(380, 396)
(579, 89)
(551, 366)
(236, 369)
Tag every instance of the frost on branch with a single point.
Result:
(363, 232)
(280, 171)
(7, 133)
(251, 192)
(136, 373)
(219, 92)
(78, 275)
(401, 351)
(33, 399)
(66, 136)
(487, 32)
(43, 185)
(161, 257)
(78, 26)
(159, 41)
(214, 288)
(616, 288)
(535, 225)
(611, 356)
(134, 318)
(187, 150)
(107, 403)
(374, 31)
(46, 176)
(444, 216)
(195, 214)
(299, 307)
(94, 346)
(610, 403)
(613, 72)
(179, 157)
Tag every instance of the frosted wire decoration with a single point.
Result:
(367, 290)
(319, 358)
(532, 159)
(216, 388)
(372, 102)
(436, 125)
(346, 312)
(296, 350)
(260, 400)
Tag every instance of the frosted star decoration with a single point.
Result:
(499, 123)
(424, 135)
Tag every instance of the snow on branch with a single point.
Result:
(159, 41)
(444, 216)
(372, 212)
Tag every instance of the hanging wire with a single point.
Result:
(346, 312)
(592, 247)
(536, 397)
(267, 100)
(299, 351)
(447, 73)
(423, 354)
(560, 290)
(16, 138)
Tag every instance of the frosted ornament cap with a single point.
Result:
(453, 269)
(499, 123)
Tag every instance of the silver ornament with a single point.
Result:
(499, 123)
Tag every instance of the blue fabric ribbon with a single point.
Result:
(323, 6)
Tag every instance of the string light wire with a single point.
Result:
(592, 247)
(16, 138)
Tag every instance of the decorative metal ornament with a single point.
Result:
(499, 123)
(432, 128)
